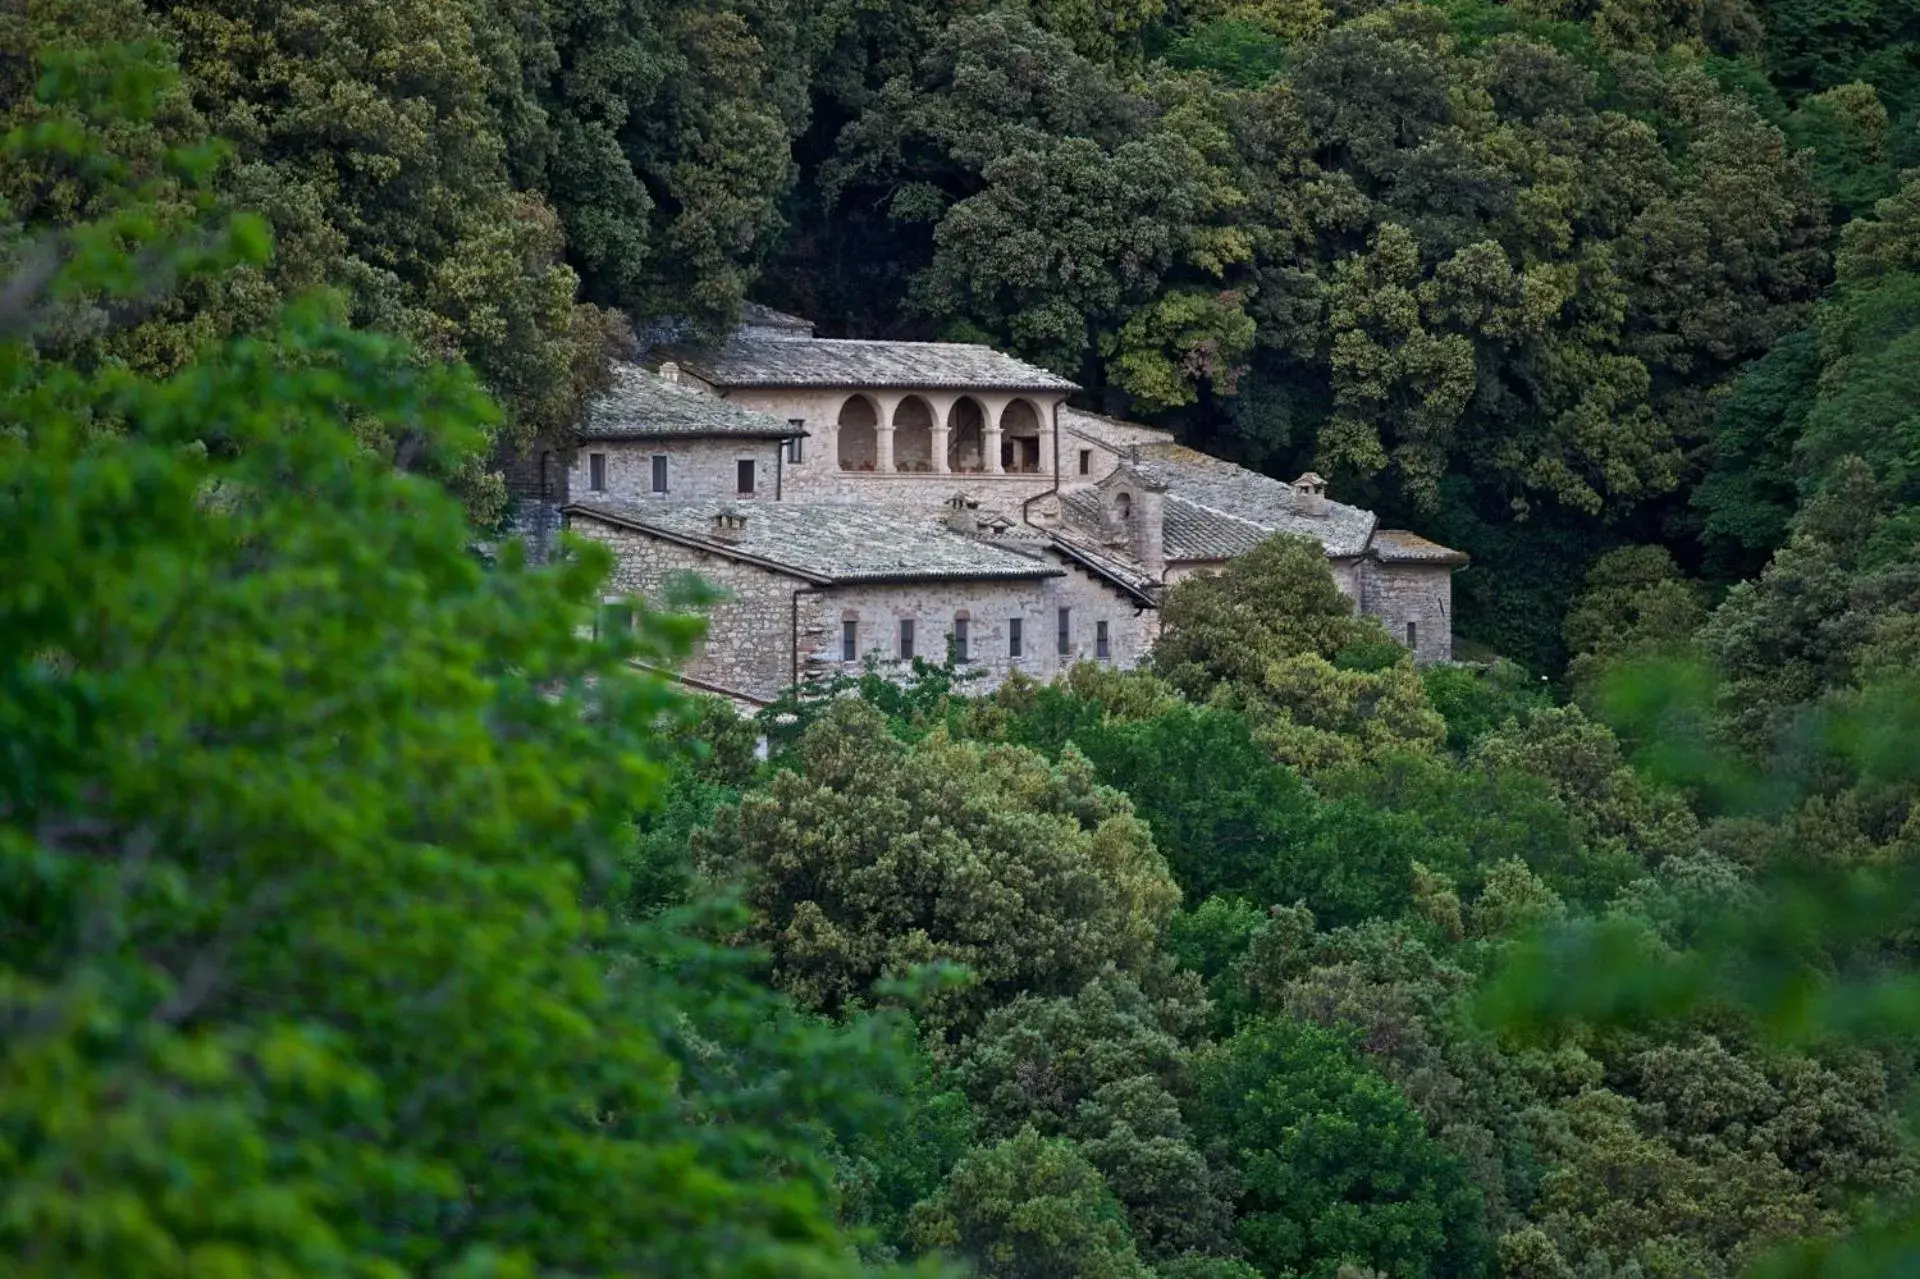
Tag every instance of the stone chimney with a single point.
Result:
(1310, 496)
(729, 524)
(670, 373)
(1150, 531)
(963, 514)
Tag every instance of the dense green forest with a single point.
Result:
(363, 913)
(1502, 272)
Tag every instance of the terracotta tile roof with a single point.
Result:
(1397, 546)
(640, 406)
(828, 543)
(747, 359)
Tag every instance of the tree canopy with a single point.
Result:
(366, 909)
(308, 818)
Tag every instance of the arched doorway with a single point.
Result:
(966, 436)
(1020, 439)
(913, 435)
(859, 439)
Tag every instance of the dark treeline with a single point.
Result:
(1500, 271)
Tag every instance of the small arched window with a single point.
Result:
(1123, 506)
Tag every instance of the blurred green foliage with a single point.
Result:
(311, 821)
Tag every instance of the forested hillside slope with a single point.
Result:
(1496, 269)
(366, 911)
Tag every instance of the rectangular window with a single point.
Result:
(906, 639)
(1413, 635)
(1086, 460)
(849, 640)
(746, 476)
(1013, 637)
(795, 453)
(597, 472)
(660, 473)
(1100, 647)
(1066, 631)
(959, 641)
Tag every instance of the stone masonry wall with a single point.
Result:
(989, 606)
(696, 469)
(748, 647)
(1421, 594)
(1102, 459)
(1002, 493)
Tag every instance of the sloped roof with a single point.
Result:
(1216, 488)
(1193, 532)
(1117, 571)
(1189, 531)
(1110, 431)
(746, 359)
(827, 543)
(1397, 546)
(640, 406)
(756, 316)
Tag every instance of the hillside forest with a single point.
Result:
(367, 912)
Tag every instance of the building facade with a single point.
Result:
(860, 503)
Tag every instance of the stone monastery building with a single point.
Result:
(892, 500)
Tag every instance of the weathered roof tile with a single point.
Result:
(1397, 546)
(828, 542)
(750, 359)
(1224, 489)
(640, 405)
(1110, 431)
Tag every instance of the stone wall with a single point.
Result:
(536, 523)
(1350, 577)
(748, 647)
(697, 469)
(538, 473)
(1103, 459)
(1003, 493)
(1420, 594)
(750, 643)
(989, 607)
(705, 468)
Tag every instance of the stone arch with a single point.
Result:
(859, 436)
(1020, 438)
(913, 435)
(1123, 505)
(967, 435)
